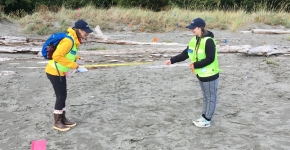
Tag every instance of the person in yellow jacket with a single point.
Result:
(63, 59)
(202, 52)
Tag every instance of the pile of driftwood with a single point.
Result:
(11, 44)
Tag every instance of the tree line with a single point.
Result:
(28, 6)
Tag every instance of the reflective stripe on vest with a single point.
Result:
(71, 55)
(208, 70)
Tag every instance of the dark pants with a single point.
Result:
(209, 90)
(59, 89)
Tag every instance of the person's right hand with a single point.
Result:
(167, 62)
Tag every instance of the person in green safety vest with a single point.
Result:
(63, 59)
(202, 52)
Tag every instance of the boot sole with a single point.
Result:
(72, 125)
(59, 129)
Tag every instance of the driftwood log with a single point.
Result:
(20, 49)
(14, 41)
(268, 50)
(272, 31)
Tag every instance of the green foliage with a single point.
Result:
(271, 62)
(22, 7)
(11, 6)
(195, 4)
(16, 6)
(248, 5)
(44, 30)
(8, 2)
(63, 25)
(148, 4)
(74, 4)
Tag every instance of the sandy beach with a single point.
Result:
(149, 106)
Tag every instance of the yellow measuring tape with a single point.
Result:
(116, 64)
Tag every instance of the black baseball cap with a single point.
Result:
(198, 22)
(81, 24)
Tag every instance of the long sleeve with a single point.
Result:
(180, 57)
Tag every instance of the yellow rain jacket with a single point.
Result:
(59, 54)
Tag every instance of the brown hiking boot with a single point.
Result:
(67, 122)
(58, 125)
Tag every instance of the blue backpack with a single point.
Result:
(51, 43)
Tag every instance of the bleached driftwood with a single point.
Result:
(6, 73)
(14, 40)
(4, 59)
(245, 32)
(233, 48)
(16, 49)
(272, 31)
(98, 34)
(11, 42)
(265, 50)
(268, 50)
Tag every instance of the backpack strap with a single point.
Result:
(67, 36)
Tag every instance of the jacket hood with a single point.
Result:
(74, 35)
(208, 34)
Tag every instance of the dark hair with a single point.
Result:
(203, 30)
(77, 32)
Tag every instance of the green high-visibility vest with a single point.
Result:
(71, 55)
(198, 55)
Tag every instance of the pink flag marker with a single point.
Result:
(38, 145)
